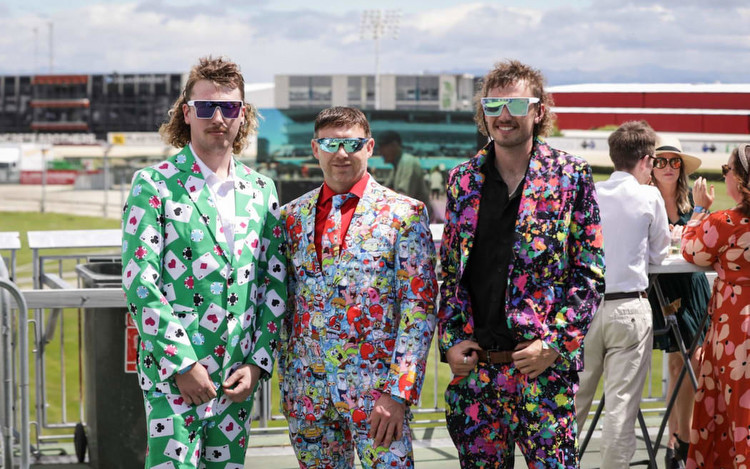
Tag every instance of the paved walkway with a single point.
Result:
(433, 449)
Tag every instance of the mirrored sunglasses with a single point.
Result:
(516, 106)
(332, 145)
(206, 109)
(661, 162)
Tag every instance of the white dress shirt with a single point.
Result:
(635, 229)
(222, 193)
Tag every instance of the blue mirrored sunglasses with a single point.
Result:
(205, 109)
(332, 145)
(516, 106)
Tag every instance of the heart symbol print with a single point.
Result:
(129, 273)
(172, 264)
(164, 166)
(150, 321)
(255, 243)
(204, 266)
(230, 427)
(179, 401)
(212, 318)
(133, 220)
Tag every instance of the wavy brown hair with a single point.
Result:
(221, 72)
(742, 176)
(505, 74)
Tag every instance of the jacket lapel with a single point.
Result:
(533, 185)
(248, 206)
(470, 212)
(368, 202)
(191, 179)
(306, 217)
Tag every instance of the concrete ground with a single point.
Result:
(433, 449)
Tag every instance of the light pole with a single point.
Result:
(377, 24)
(43, 206)
(107, 148)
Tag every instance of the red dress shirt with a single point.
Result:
(323, 208)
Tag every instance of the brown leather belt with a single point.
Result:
(495, 357)
(625, 296)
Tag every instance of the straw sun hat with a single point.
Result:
(669, 144)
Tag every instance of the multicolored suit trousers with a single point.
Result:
(496, 407)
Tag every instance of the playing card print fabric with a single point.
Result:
(192, 299)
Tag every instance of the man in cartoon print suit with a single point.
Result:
(203, 276)
(523, 271)
(361, 311)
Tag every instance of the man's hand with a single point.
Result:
(386, 421)
(463, 357)
(531, 359)
(241, 383)
(195, 385)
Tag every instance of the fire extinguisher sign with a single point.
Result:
(131, 345)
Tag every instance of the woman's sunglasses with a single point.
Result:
(725, 168)
(661, 162)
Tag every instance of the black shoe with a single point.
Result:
(681, 449)
(670, 462)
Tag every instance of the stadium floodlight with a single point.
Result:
(377, 24)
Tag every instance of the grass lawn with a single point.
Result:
(722, 200)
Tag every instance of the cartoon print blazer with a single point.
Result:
(369, 325)
(556, 276)
(191, 299)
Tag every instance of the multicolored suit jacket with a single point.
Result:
(556, 277)
(368, 326)
(191, 299)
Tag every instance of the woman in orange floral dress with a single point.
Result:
(720, 435)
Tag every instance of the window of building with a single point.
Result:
(299, 89)
(406, 88)
(321, 89)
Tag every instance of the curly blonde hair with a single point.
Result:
(505, 74)
(220, 71)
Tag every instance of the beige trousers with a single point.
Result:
(618, 345)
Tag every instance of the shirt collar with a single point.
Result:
(357, 189)
(210, 176)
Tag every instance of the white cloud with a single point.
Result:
(568, 40)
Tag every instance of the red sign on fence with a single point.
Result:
(131, 345)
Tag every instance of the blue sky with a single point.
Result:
(687, 41)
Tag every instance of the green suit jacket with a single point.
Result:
(191, 299)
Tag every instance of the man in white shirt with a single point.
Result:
(636, 234)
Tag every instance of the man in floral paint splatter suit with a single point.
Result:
(203, 276)
(523, 273)
(361, 307)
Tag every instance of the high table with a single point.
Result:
(675, 264)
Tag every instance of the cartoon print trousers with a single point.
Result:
(181, 436)
(496, 407)
(331, 440)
